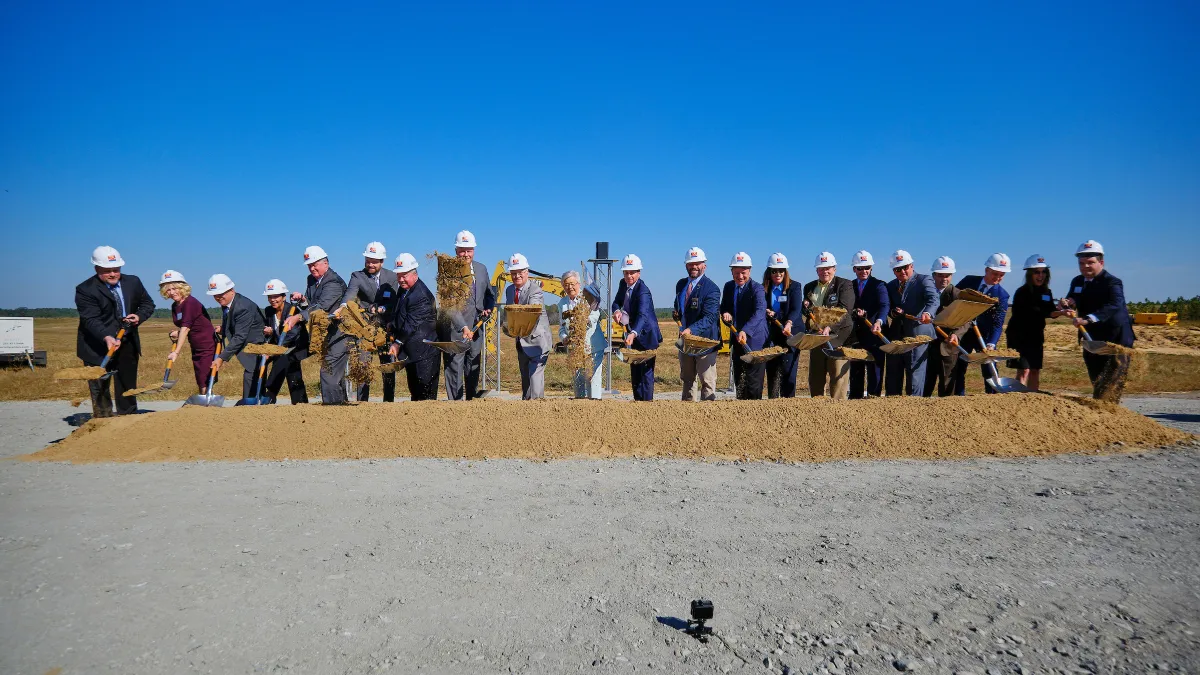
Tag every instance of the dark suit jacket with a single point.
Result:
(920, 295)
(642, 319)
(296, 337)
(751, 314)
(874, 301)
(840, 294)
(414, 320)
(243, 326)
(1103, 297)
(703, 311)
(991, 322)
(1031, 306)
(362, 289)
(791, 308)
(100, 316)
(326, 294)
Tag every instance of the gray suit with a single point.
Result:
(918, 296)
(379, 290)
(242, 324)
(533, 349)
(327, 294)
(450, 326)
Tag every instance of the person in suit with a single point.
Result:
(914, 300)
(589, 383)
(414, 320)
(872, 305)
(286, 366)
(192, 325)
(374, 291)
(697, 308)
(1032, 304)
(108, 301)
(533, 349)
(324, 290)
(633, 308)
(943, 354)
(744, 309)
(785, 310)
(462, 370)
(241, 324)
(1096, 303)
(830, 290)
(991, 322)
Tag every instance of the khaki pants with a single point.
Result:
(821, 368)
(706, 368)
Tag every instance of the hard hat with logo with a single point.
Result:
(218, 284)
(631, 263)
(1089, 247)
(314, 253)
(1036, 261)
(170, 277)
(464, 239)
(943, 265)
(777, 261)
(825, 259)
(695, 254)
(107, 256)
(405, 262)
(863, 259)
(375, 251)
(901, 258)
(275, 287)
(517, 262)
(741, 259)
(998, 262)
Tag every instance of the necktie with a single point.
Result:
(861, 285)
(902, 285)
(687, 294)
(736, 291)
(377, 282)
(983, 287)
(116, 292)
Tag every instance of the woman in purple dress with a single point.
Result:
(188, 314)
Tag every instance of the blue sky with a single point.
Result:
(220, 137)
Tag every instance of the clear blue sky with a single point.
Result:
(226, 137)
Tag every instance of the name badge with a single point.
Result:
(694, 303)
(833, 297)
(387, 294)
(1046, 298)
(783, 298)
(179, 316)
(1078, 289)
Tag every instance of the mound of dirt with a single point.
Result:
(1010, 425)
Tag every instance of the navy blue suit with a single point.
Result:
(702, 312)
(870, 296)
(749, 312)
(644, 323)
(920, 296)
(1104, 298)
(781, 372)
(991, 326)
(413, 321)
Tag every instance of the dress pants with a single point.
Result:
(533, 372)
(642, 377)
(201, 365)
(333, 373)
(250, 379)
(1107, 374)
(702, 367)
(462, 372)
(906, 372)
(871, 371)
(285, 368)
(781, 374)
(747, 377)
(960, 375)
(423, 378)
(939, 371)
(835, 372)
(124, 368)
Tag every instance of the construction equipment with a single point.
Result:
(209, 399)
(1156, 318)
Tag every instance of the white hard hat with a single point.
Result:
(107, 256)
(741, 259)
(464, 239)
(695, 254)
(218, 284)
(275, 287)
(517, 262)
(313, 253)
(374, 251)
(405, 262)
(943, 265)
(631, 263)
(777, 261)
(998, 262)
(825, 259)
(863, 259)
(1089, 247)
(1036, 261)
(901, 258)
(170, 277)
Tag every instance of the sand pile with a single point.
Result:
(1002, 426)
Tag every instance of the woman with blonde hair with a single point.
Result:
(189, 315)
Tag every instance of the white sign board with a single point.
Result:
(16, 335)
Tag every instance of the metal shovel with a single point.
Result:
(888, 347)
(208, 398)
(108, 356)
(1002, 385)
(1098, 347)
(453, 347)
(166, 383)
(258, 398)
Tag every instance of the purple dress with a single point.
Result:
(190, 314)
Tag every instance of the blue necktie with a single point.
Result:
(116, 292)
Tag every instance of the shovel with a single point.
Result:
(1003, 385)
(258, 398)
(208, 398)
(888, 347)
(1098, 347)
(454, 347)
(166, 383)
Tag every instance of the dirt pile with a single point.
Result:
(1011, 425)
(80, 373)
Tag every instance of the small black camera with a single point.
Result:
(702, 611)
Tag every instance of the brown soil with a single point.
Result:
(359, 371)
(390, 367)
(318, 335)
(914, 340)
(972, 295)
(856, 353)
(825, 317)
(976, 357)
(765, 354)
(357, 324)
(453, 281)
(523, 308)
(576, 342)
(1009, 425)
(265, 348)
(142, 390)
(638, 355)
(80, 373)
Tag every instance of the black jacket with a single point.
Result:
(1103, 297)
(1031, 306)
(100, 316)
(840, 294)
(296, 337)
(244, 325)
(413, 320)
(791, 308)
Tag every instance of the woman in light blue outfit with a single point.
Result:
(597, 341)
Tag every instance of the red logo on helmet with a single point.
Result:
(212, 284)
(629, 261)
(270, 287)
(695, 254)
(740, 257)
(899, 258)
(824, 258)
(1041, 260)
(111, 257)
(945, 263)
(306, 256)
(371, 249)
(1088, 245)
(862, 258)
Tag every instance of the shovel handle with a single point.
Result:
(1084, 333)
(946, 337)
(876, 333)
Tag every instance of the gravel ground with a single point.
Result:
(1068, 564)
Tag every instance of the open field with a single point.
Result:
(1171, 364)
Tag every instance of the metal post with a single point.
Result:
(496, 328)
(602, 273)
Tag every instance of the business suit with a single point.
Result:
(906, 372)
(241, 325)
(373, 291)
(1103, 299)
(287, 366)
(586, 385)
(943, 356)
(699, 311)
(638, 305)
(821, 368)
(326, 293)
(413, 321)
(871, 296)
(465, 366)
(990, 323)
(533, 349)
(748, 307)
(781, 371)
(100, 316)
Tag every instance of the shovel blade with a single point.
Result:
(1100, 348)
(261, 400)
(207, 400)
(168, 384)
(1006, 385)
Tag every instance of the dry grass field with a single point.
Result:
(1171, 363)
